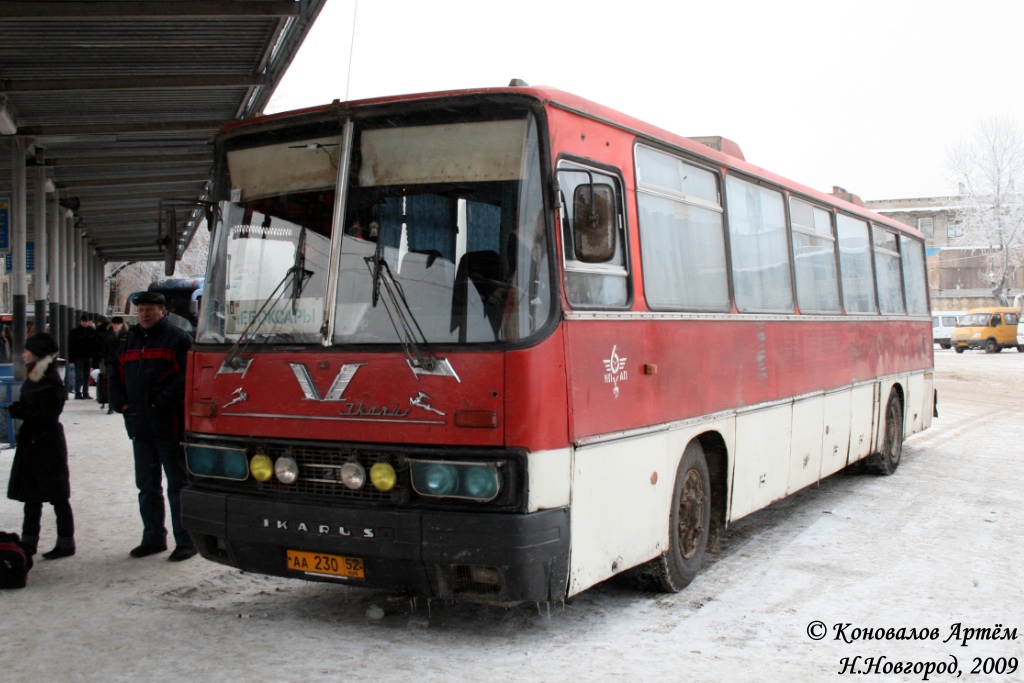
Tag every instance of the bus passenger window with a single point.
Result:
(855, 265)
(814, 253)
(682, 234)
(915, 279)
(759, 245)
(887, 272)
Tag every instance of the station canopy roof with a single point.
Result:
(121, 99)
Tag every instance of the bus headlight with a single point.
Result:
(434, 478)
(286, 469)
(262, 467)
(219, 463)
(480, 482)
(353, 475)
(446, 479)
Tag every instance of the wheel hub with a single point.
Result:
(691, 514)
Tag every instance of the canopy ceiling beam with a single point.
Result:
(86, 84)
(43, 10)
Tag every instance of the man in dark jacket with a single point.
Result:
(111, 345)
(81, 349)
(147, 386)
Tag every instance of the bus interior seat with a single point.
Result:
(483, 269)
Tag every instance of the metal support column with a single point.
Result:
(53, 269)
(97, 282)
(68, 268)
(41, 259)
(19, 285)
(76, 237)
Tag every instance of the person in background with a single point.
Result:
(39, 473)
(104, 336)
(147, 386)
(118, 331)
(81, 347)
(6, 345)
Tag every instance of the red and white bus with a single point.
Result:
(499, 345)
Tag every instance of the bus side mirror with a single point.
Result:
(593, 223)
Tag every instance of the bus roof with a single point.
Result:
(703, 146)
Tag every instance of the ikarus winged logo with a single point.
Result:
(615, 363)
(615, 370)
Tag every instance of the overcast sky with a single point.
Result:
(868, 95)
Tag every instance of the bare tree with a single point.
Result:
(135, 277)
(193, 261)
(989, 169)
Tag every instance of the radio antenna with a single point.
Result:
(351, 47)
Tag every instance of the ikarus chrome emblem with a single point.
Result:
(337, 389)
(358, 410)
(420, 401)
(239, 396)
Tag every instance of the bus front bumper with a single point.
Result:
(500, 558)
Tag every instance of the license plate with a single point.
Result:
(322, 563)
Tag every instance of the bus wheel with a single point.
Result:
(689, 524)
(959, 349)
(888, 460)
(991, 346)
(944, 346)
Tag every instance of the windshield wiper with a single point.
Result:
(378, 264)
(401, 316)
(300, 276)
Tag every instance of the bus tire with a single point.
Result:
(888, 459)
(689, 526)
(992, 346)
(959, 349)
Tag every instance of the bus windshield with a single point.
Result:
(442, 238)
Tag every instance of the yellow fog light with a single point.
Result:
(383, 477)
(262, 467)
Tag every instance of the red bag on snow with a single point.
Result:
(14, 562)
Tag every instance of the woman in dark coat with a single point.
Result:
(40, 470)
(104, 335)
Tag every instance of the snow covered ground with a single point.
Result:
(938, 544)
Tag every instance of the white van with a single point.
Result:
(943, 323)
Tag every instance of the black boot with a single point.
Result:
(65, 548)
